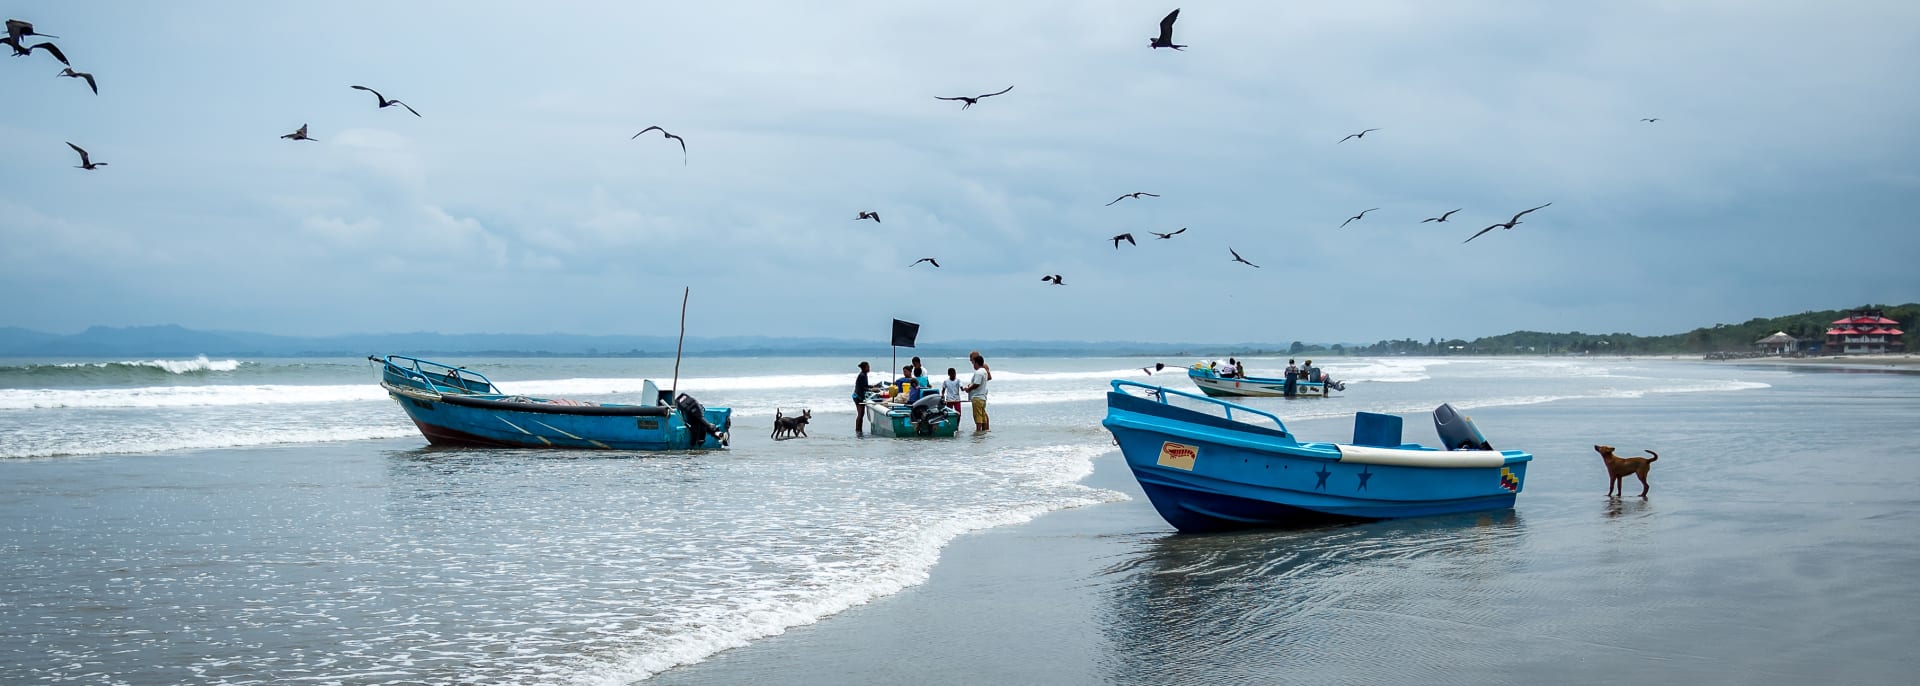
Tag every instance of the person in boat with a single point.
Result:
(1293, 378)
(1312, 373)
(861, 389)
(920, 377)
(950, 390)
(905, 388)
(976, 389)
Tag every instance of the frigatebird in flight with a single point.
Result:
(1124, 196)
(300, 135)
(975, 100)
(86, 162)
(1123, 237)
(1241, 260)
(1356, 217)
(1165, 39)
(663, 132)
(928, 260)
(384, 102)
(1504, 225)
(1164, 236)
(1362, 134)
(1440, 218)
(875, 216)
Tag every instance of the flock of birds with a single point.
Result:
(19, 31)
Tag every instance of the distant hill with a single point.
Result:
(1809, 327)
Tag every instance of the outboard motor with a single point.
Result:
(925, 412)
(1457, 432)
(695, 415)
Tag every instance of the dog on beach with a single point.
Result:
(791, 426)
(1619, 467)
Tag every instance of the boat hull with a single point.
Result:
(1254, 387)
(463, 422)
(1203, 473)
(896, 421)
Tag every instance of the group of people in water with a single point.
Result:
(1233, 369)
(913, 386)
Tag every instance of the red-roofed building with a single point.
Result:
(1865, 332)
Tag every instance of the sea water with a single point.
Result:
(280, 520)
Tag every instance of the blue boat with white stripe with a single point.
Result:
(1227, 466)
(456, 406)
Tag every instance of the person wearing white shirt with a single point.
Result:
(950, 390)
(977, 390)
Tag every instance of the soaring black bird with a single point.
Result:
(300, 134)
(875, 216)
(1650, 121)
(1440, 218)
(69, 72)
(1123, 237)
(1357, 217)
(975, 100)
(1505, 225)
(51, 49)
(683, 143)
(1124, 196)
(384, 102)
(1052, 279)
(1362, 134)
(17, 30)
(1241, 260)
(1165, 39)
(1164, 236)
(86, 162)
(928, 260)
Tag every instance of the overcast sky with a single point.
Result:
(1783, 175)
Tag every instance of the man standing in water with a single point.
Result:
(1293, 378)
(977, 390)
(860, 390)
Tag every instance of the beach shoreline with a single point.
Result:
(1901, 360)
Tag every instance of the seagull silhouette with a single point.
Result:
(975, 100)
(51, 49)
(1650, 121)
(663, 132)
(300, 135)
(69, 72)
(1505, 225)
(1164, 236)
(1165, 39)
(875, 216)
(384, 102)
(1124, 196)
(1362, 134)
(1123, 237)
(928, 260)
(1052, 279)
(1356, 217)
(17, 30)
(86, 162)
(1241, 260)
(1440, 218)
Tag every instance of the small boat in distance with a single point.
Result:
(1207, 472)
(1211, 383)
(456, 406)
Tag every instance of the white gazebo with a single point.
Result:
(1778, 344)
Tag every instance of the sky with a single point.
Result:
(1783, 174)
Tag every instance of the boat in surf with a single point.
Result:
(456, 406)
(927, 417)
(1213, 465)
(1212, 383)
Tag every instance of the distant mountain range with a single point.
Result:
(142, 341)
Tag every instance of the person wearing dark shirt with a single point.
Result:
(861, 387)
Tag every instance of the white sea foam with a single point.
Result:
(198, 364)
(186, 396)
(202, 438)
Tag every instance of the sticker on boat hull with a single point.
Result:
(1178, 456)
(1508, 480)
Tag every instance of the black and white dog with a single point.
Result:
(790, 427)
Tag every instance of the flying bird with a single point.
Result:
(86, 162)
(70, 73)
(1357, 217)
(1506, 225)
(1440, 218)
(300, 135)
(1124, 196)
(17, 30)
(1165, 39)
(1362, 134)
(875, 216)
(975, 100)
(1123, 237)
(18, 51)
(384, 102)
(683, 143)
(1241, 260)
(1164, 236)
(1052, 279)
(1650, 121)
(928, 260)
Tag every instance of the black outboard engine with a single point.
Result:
(925, 412)
(695, 415)
(1457, 432)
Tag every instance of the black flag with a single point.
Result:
(904, 332)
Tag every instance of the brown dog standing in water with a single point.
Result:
(1619, 467)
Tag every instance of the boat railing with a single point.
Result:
(436, 375)
(1160, 393)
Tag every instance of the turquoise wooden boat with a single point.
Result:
(1228, 466)
(456, 406)
(934, 420)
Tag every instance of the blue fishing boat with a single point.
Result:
(456, 406)
(1212, 383)
(926, 418)
(1225, 468)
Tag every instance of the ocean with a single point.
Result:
(243, 521)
